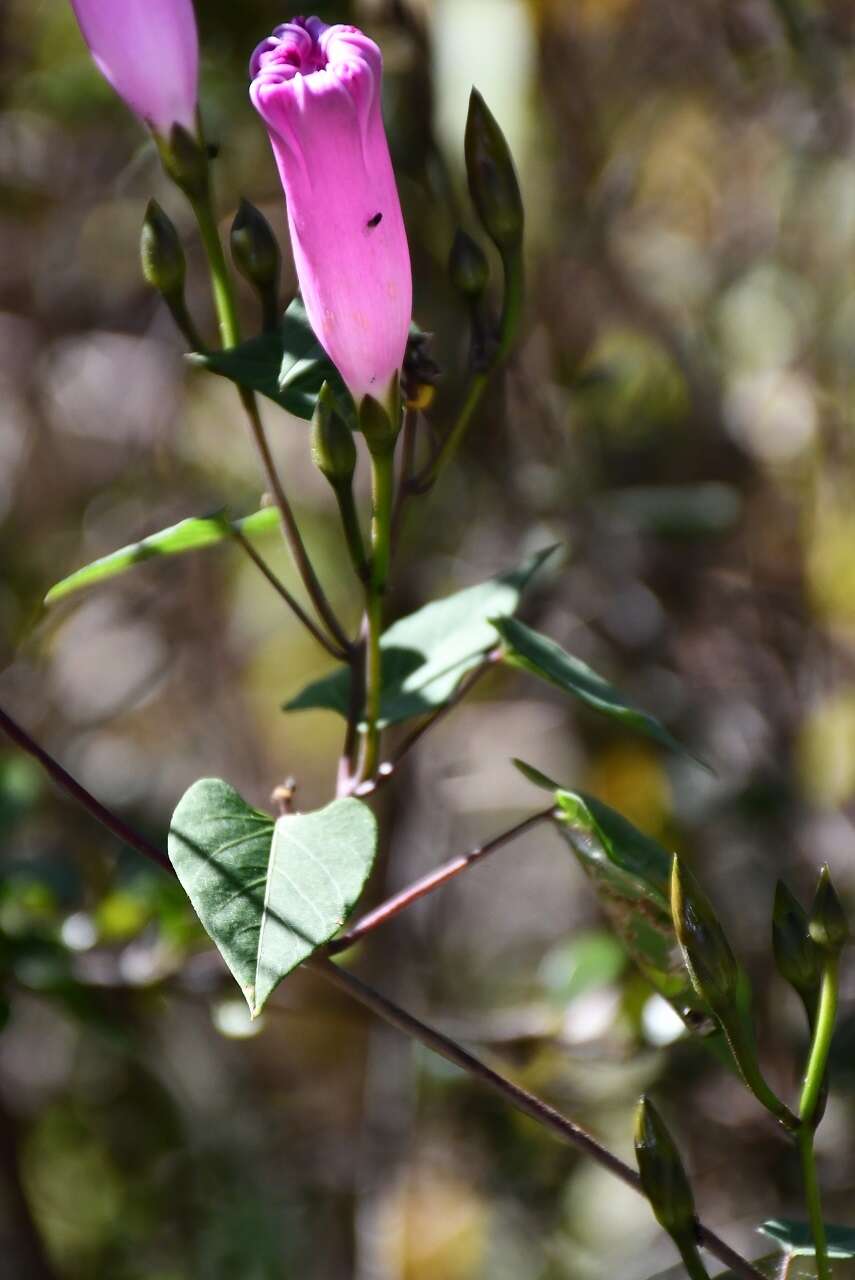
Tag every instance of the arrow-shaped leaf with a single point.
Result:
(269, 893)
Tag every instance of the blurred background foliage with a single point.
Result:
(679, 415)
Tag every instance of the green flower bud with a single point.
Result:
(185, 159)
(492, 179)
(377, 426)
(712, 965)
(663, 1178)
(796, 954)
(467, 266)
(828, 925)
(254, 247)
(333, 446)
(161, 254)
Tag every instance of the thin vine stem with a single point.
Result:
(519, 1098)
(406, 1022)
(428, 883)
(812, 1088)
(226, 307)
(383, 490)
(282, 590)
(84, 798)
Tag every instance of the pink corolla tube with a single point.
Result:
(149, 52)
(317, 88)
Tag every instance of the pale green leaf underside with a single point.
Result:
(426, 654)
(630, 874)
(187, 535)
(796, 1238)
(543, 658)
(269, 893)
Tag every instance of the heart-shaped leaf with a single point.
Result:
(425, 655)
(542, 657)
(288, 366)
(269, 893)
(187, 535)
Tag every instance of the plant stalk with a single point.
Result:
(383, 488)
(426, 884)
(809, 1103)
(224, 300)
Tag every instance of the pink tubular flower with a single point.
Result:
(149, 52)
(317, 88)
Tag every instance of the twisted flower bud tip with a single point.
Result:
(317, 89)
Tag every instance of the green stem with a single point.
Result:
(451, 443)
(512, 304)
(383, 488)
(826, 1015)
(695, 1268)
(809, 1102)
(813, 1202)
(224, 298)
(352, 530)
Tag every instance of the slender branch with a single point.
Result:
(289, 524)
(72, 787)
(224, 299)
(524, 1101)
(283, 591)
(826, 1016)
(433, 880)
(427, 477)
(809, 1104)
(407, 470)
(383, 487)
(465, 687)
(355, 705)
(813, 1202)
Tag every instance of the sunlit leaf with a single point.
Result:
(542, 657)
(269, 893)
(187, 535)
(426, 654)
(288, 366)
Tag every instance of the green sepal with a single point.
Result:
(828, 925)
(161, 253)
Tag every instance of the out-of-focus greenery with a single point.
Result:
(679, 414)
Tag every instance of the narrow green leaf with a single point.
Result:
(426, 654)
(269, 893)
(796, 1238)
(541, 657)
(187, 535)
(288, 366)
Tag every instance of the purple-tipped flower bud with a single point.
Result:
(829, 927)
(149, 52)
(492, 178)
(317, 88)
